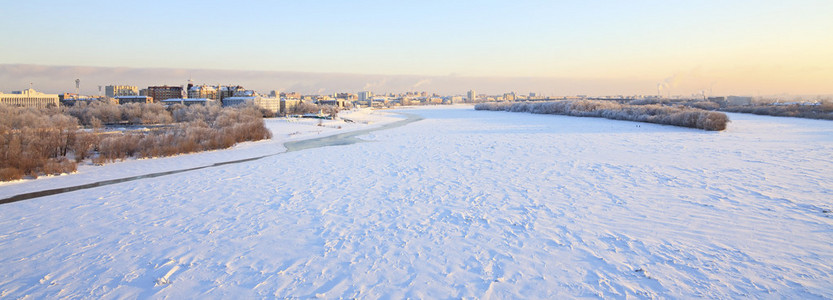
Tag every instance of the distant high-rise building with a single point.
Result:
(113, 91)
(365, 96)
(472, 96)
(161, 93)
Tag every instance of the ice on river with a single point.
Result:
(461, 204)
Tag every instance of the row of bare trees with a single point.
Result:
(701, 104)
(821, 111)
(311, 108)
(668, 115)
(197, 128)
(35, 142)
(96, 114)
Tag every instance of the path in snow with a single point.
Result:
(283, 130)
(461, 204)
(347, 138)
(340, 139)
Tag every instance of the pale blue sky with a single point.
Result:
(687, 41)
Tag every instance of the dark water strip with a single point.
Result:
(333, 140)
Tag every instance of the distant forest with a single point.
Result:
(818, 110)
(822, 111)
(649, 113)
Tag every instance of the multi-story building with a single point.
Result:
(114, 91)
(268, 103)
(472, 96)
(291, 96)
(66, 96)
(164, 92)
(229, 91)
(346, 96)
(29, 98)
(338, 102)
(203, 91)
(453, 99)
(287, 104)
(738, 101)
(190, 101)
(272, 104)
(366, 97)
(71, 99)
(134, 99)
(405, 100)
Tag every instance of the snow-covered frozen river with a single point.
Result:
(461, 204)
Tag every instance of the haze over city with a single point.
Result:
(549, 47)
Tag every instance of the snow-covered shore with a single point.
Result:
(461, 204)
(283, 130)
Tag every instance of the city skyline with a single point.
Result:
(556, 48)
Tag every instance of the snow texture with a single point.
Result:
(461, 204)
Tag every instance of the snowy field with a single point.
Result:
(461, 204)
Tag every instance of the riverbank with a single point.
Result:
(283, 130)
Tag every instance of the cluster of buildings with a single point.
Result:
(165, 94)
(423, 98)
(282, 102)
(230, 95)
(276, 102)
